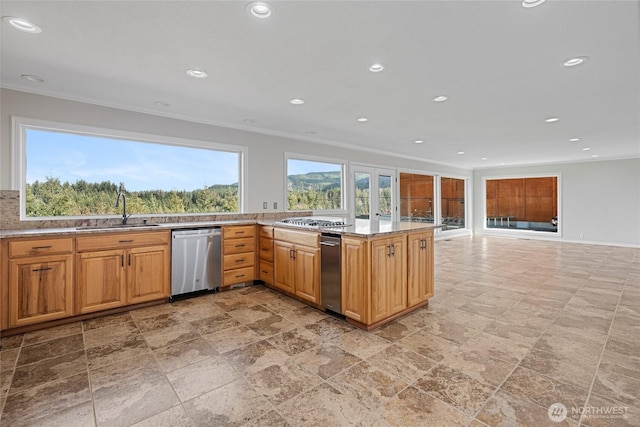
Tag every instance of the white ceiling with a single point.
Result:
(499, 63)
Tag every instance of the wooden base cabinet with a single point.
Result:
(40, 280)
(266, 254)
(420, 268)
(388, 277)
(121, 269)
(297, 263)
(239, 254)
(356, 269)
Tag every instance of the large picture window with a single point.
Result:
(416, 197)
(314, 185)
(452, 199)
(71, 173)
(522, 203)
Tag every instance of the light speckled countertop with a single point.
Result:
(356, 227)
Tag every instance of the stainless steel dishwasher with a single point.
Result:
(330, 272)
(196, 261)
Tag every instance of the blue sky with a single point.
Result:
(140, 166)
(296, 167)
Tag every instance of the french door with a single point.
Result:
(374, 193)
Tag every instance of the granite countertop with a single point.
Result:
(356, 228)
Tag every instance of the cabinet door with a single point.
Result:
(397, 275)
(100, 280)
(380, 254)
(147, 274)
(307, 273)
(283, 266)
(41, 289)
(420, 265)
(355, 279)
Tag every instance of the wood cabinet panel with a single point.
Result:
(307, 273)
(40, 247)
(121, 240)
(238, 246)
(238, 260)
(419, 268)
(355, 279)
(238, 231)
(283, 267)
(266, 272)
(40, 289)
(100, 280)
(266, 249)
(238, 275)
(304, 238)
(265, 231)
(148, 274)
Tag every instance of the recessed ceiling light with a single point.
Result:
(310, 132)
(502, 163)
(363, 119)
(460, 152)
(586, 149)
(532, 3)
(249, 121)
(418, 141)
(572, 62)
(296, 101)
(551, 119)
(260, 9)
(198, 74)
(574, 140)
(22, 24)
(32, 78)
(161, 104)
(440, 98)
(484, 158)
(594, 155)
(376, 68)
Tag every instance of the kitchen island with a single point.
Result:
(386, 267)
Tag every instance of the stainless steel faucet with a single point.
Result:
(124, 206)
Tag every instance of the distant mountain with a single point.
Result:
(314, 181)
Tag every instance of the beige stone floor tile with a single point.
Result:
(131, 404)
(329, 328)
(52, 333)
(126, 373)
(295, 341)
(368, 384)
(106, 321)
(617, 387)
(455, 388)
(246, 315)
(326, 360)
(170, 335)
(192, 311)
(81, 415)
(35, 374)
(152, 311)
(230, 405)
(500, 348)
(621, 357)
(200, 377)
(415, 408)
(255, 357)
(46, 398)
(108, 335)
(322, 406)
(545, 391)
(8, 359)
(172, 417)
(232, 338)
(361, 343)
(279, 383)
(51, 348)
(395, 331)
(234, 302)
(210, 325)
(14, 341)
(271, 419)
(303, 316)
(427, 345)
(479, 365)
(132, 347)
(182, 354)
(404, 364)
(603, 412)
(505, 409)
(271, 325)
(577, 369)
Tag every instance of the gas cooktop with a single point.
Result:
(314, 222)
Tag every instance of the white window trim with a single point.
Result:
(19, 126)
(311, 158)
(468, 205)
(521, 232)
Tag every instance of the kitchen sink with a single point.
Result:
(105, 227)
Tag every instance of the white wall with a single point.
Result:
(600, 200)
(265, 152)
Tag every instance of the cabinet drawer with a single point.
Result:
(239, 231)
(266, 231)
(237, 246)
(19, 248)
(266, 272)
(238, 261)
(238, 276)
(266, 249)
(121, 240)
(305, 238)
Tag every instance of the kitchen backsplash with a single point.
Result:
(10, 217)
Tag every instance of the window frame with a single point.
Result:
(468, 203)
(520, 231)
(20, 125)
(312, 158)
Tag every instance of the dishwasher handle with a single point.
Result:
(191, 236)
(329, 243)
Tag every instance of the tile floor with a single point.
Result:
(515, 327)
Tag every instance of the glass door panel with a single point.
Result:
(362, 195)
(385, 200)
(373, 193)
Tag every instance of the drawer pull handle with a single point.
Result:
(239, 232)
(42, 269)
(240, 246)
(239, 275)
(125, 241)
(240, 260)
(37, 248)
(265, 271)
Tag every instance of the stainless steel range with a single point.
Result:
(314, 222)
